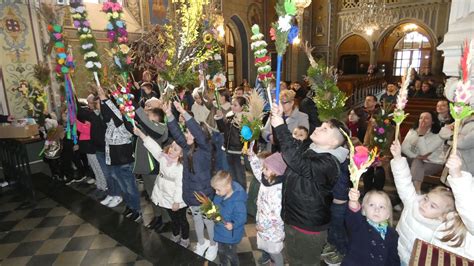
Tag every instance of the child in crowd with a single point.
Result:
(168, 188)
(308, 184)
(197, 158)
(52, 148)
(231, 200)
(232, 144)
(151, 120)
(270, 226)
(433, 217)
(337, 242)
(372, 240)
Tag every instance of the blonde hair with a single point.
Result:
(387, 200)
(456, 232)
(221, 177)
(287, 95)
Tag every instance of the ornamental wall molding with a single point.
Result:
(429, 12)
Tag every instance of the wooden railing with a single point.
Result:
(358, 87)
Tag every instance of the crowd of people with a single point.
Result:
(305, 202)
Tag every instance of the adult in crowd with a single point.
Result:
(371, 106)
(426, 91)
(424, 147)
(444, 116)
(292, 116)
(357, 123)
(300, 92)
(465, 142)
(308, 106)
(415, 88)
(390, 95)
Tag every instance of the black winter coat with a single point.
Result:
(307, 189)
(232, 141)
(308, 107)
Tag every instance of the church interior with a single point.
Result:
(97, 96)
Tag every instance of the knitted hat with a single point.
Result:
(275, 163)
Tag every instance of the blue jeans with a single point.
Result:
(221, 160)
(337, 234)
(112, 185)
(126, 181)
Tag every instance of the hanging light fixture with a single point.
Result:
(371, 16)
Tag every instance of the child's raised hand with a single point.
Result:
(354, 194)
(396, 149)
(178, 107)
(167, 109)
(454, 164)
(138, 132)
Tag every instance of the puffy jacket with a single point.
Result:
(232, 143)
(268, 207)
(307, 189)
(168, 187)
(98, 128)
(198, 180)
(233, 210)
(413, 225)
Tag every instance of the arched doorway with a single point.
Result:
(354, 55)
(243, 44)
(406, 44)
(230, 55)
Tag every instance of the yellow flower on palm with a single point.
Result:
(124, 48)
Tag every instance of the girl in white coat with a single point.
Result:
(438, 217)
(270, 226)
(168, 190)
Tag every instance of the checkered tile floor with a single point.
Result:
(247, 249)
(48, 234)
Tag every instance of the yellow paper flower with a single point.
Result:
(115, 14)
(124, 48)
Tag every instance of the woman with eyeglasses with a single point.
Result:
(292, 116)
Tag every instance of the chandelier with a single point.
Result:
(371, 16)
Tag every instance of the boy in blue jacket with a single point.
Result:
(231, 200)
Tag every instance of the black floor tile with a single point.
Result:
(64, 231)
(80, 243)
(7, 226)
(50, 221)
(48, 259)
(246, 258)
(4, 214)
(40, 212)
(26, 249)
(14, 237)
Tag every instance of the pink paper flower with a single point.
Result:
(361, 155)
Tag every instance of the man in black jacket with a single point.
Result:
(307, 189)
(308, 107)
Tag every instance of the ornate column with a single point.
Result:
(460, 28)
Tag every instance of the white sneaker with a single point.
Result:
(176, 238)
(90, 181)
(107, 200)
(211, 252)
(200, 249)
(184, 243)
(4, 184)
(115, 202)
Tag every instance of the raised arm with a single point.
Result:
(196, 131)
(157, 131)
(402, 175)
(462, 184)
(255, 164)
